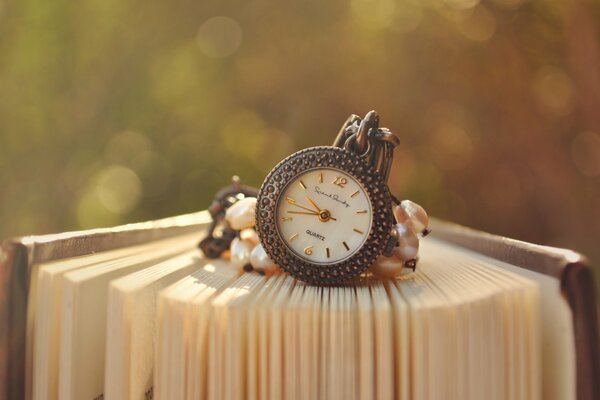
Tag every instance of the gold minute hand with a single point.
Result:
(313, 204)
(304, 208)
(324, 216)
(303, 212)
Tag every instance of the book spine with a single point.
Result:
(14, 281)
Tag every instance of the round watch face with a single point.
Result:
(323, 215)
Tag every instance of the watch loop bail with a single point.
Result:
(369, 122)
(365, 138)
(350, 145)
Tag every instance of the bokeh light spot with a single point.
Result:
(553, 89)
(585, 152)
(219, 37)
(118, 189)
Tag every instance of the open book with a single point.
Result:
(136, 312)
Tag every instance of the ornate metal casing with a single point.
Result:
(344, 160)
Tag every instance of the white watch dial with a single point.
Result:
(324, 215)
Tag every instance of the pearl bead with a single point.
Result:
(240, 252)
(387, 267)
(250, 235)
(408, 243)
(412, 214)
(241, 214)
(261, 261)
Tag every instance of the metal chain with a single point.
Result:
(219, 235)
(365, 138)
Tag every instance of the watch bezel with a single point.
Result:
(298, 163)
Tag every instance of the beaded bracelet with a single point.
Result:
(232, 234)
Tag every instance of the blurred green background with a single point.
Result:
(114, 111)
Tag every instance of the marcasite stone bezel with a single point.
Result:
(286, 171)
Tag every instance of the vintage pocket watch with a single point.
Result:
(324, 214)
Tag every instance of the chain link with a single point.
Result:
(365, 138)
